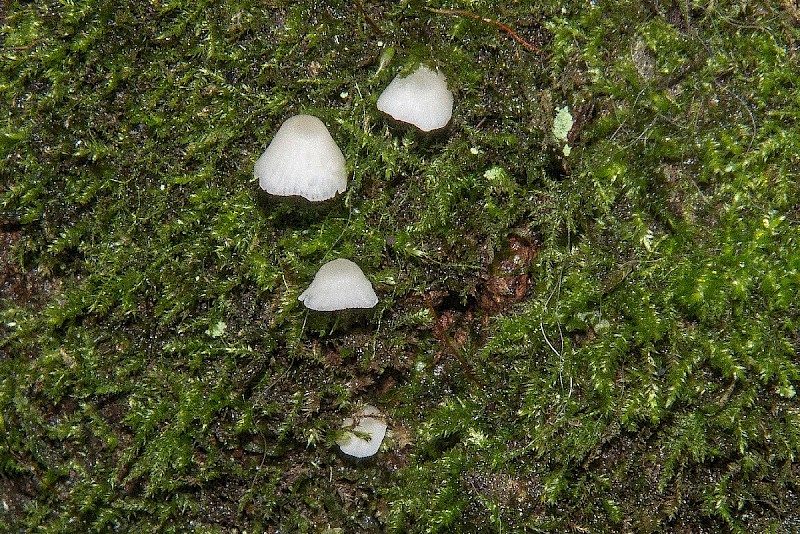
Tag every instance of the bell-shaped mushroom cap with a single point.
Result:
(302, 160)
(369, 421)
(422, 99)
(339, 285)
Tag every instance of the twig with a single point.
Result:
(369, 20)
(749, 111)
(31, 467)
(727, 395)
(462, 13)
(560, 353)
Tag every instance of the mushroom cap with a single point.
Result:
(302, 160)
(368, 421)
(339, 285)
(422, 99)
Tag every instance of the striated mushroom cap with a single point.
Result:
(422, 99)
(302, 160)
(339, 285)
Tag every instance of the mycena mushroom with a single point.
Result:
(302, 160)
(371, 424)
(339, 285)
(421, 98)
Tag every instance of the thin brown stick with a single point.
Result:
(31, 468)
(462, 13)
(369, 20)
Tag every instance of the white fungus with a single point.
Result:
(368, 421)
(302, 160)
(422, 99)
(339, 285)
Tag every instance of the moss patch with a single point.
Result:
(604, 340)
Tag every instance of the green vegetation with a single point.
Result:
(605, 340)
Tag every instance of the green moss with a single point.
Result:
(158, 371)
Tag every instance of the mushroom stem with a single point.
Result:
(335, 324)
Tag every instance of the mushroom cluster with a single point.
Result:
(303, 160)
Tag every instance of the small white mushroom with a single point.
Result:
(422, 99)
(368, 421)
(302, 160)
(339, 285)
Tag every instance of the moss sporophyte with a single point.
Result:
(604, 340)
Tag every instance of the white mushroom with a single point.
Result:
(422, 99)
(339, 285)
(302, 160)
(368, 421)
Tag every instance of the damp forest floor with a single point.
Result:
(588, 281)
